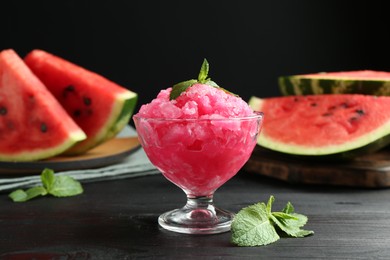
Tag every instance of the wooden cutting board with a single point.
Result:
(372, 171)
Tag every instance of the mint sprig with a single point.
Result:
(178, 88)
(257, 225)
(58, 186)
(203, 78)
(204, 71)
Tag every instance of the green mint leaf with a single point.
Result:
(300, 220)
(178, 88)
(22, 196)
(204, 72)
(269, 204)
(284, 215)
(257, 225)
(59, 186)
(47, 178)
(290, 222)
(213, 84)
(291, 225)
(227, 91)
(35, 192)
(181, 87)
(289, 208)
(18, 195)
(252, 227)
(65, 186)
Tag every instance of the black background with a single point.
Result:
(149, 45)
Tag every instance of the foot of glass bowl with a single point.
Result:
(198, 216)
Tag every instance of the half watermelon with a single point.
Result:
(345, 125)
(99, 106)
(346, 82)
(33, 125)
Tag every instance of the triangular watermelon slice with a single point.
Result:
(339, 126)
(33, 125)
(99, 106)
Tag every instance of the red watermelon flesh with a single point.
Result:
(99, 106)
(324, 124)
(33, 125)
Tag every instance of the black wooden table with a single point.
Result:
(118, 220)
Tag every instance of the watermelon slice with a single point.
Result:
(33, 125)
(99, 106)
(321, 125)
(347, 82)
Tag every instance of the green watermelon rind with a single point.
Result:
(121, 112)
(301, 85)
(39, 154)
(123, 119)
(368, 143)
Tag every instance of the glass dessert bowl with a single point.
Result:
(198, 155)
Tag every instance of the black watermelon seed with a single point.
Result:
(3, 111)
(313, 104)
(77, 113)
(43, 128)
(68, 89)
(327, 114)
(353, 119)
(87, 101)
(360, 112)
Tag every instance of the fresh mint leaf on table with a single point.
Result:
(58, 186)
(257, 225)
(178, 88)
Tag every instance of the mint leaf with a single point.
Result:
(21, 195)
(257, 225)
(204, 72)
(269, 204)
(252, 227)
(65, 186)
(47, 178)
(181, 87)
(290, 222)
(283, 215)
(291, 225)
(213, 84)
(289, 208)
(178, 88)
(59, 186)
(18, 195)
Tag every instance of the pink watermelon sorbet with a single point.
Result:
(201, 139)
(199, 101)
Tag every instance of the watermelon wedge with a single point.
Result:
(33, 125)
(346, 82)
(345, 125)
(99, 106)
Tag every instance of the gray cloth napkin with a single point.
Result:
(136, 164)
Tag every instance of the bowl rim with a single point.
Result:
(256, 115)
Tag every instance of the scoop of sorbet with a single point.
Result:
(198, 101)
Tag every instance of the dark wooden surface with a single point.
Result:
(370, 170)
(118, 220)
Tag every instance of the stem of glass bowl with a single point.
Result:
(198, 216)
